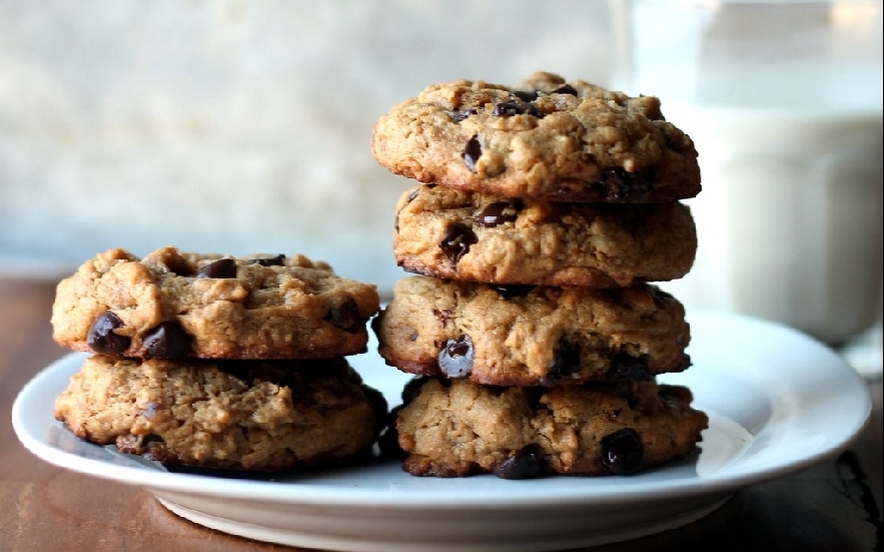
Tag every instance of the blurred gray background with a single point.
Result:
(239, 127)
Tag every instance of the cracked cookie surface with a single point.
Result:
(171, 304)
(463, 235)
(242, 415)
(547, 139)
(531, 335)
(457, 428)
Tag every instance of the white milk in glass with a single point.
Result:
(789, 219)
(784, 104)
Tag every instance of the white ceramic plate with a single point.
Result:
(777, 401)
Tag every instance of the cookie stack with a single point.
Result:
(218, 362)
(543, 212)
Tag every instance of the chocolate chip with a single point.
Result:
(179, 265)
(513, 290)
(456, 357)
(507, 109)
(460, 115)
(565, 89)
(566, 362)
(344, 316)
(472, 152)
(457, 241)
(517, 107)
(268, 260)
(166, 340)
(103, 340)
(524, 95)
(622, 451)
(524, 464)
(222, 268)
(626, 367)
(443, 316)
(497, 213)
(621, 184)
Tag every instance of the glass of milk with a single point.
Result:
(783, 101)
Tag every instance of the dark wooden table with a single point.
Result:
(835, 505)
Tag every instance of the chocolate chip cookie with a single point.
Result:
(173, 305)
(547, 139)
(230, 414)
(464, 235)
(457, 428)
(531, 335)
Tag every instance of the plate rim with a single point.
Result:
(290, 492)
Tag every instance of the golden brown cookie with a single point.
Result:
(526, 335)
(463, 235)
(546, 138)
(457, 428)
(173, 305)
(243, 415)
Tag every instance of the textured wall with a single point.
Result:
(235, 126)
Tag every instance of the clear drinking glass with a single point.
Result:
(784, 103)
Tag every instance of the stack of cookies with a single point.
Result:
(543, 212)
(212, 361)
